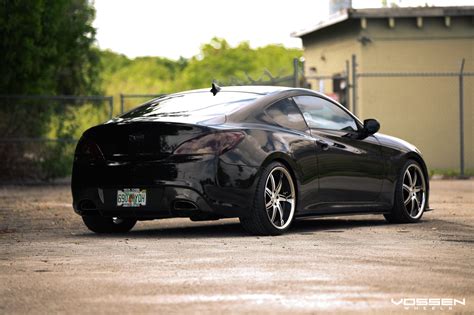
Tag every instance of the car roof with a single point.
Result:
(255, 89)
(240, 108)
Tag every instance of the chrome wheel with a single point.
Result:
(414, 191)
(279, 198)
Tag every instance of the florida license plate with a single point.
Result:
(133, 197)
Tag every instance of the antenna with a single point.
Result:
(215, 88)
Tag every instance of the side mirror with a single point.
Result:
(371, 126)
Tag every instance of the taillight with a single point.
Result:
(88, 150)
(214, 143)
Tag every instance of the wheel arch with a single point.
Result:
(288, 162)
(256, 222)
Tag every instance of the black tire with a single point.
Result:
(259, 222)
(400, 212)
(99, 224)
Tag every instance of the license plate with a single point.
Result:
(134, 197)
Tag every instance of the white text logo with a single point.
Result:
(428, 303)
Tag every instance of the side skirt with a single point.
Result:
(325, 209)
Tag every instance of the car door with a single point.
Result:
(350, 168)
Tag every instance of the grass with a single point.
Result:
(450, 172)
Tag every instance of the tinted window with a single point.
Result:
(196, 103)
(322, 114)
(286, 114)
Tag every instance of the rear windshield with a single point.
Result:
(194, 103)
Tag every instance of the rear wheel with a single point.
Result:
(410, 195)
(274, 202)
(99, 224)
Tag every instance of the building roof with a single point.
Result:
(405, 12)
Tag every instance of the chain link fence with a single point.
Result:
(296, 79)
(129, 101)
(335, 86)
(432, 110)
(265, 79)
(38, 133)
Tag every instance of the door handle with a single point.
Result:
(338, 145)
(323, 144)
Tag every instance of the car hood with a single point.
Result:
(396, 143)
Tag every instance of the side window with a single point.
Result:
(322, 114)
(286, 114)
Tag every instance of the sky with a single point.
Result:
(174, 28)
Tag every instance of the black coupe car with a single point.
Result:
(266, 155)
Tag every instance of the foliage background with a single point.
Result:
(48, 47)
(217, 61)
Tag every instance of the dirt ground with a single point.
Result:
(49, 262)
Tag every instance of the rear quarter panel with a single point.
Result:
(261, 146)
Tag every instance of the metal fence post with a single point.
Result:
(121, 103)
(295, 73)
(111, 105)
(354, 84)
(347, 85)
(461, 117)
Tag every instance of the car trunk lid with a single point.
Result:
(142, 140)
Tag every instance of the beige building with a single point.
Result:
(407, 69)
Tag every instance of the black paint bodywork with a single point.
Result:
(351, 174)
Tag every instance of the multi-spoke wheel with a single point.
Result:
(414, 191)
(280, 197)
(274, 203)
(99, 224)
(410, 195)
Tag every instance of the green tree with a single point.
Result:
(143, 75)
(217, 60)
(46, 47)
(276, 59)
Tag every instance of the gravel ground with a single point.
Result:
(49, 262)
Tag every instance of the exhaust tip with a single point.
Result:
(183, 205)
(87, 205)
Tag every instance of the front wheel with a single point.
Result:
(99, 224)
(274, 202)
(410, 195)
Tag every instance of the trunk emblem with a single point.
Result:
(136, 138)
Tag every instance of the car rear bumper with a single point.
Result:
(197, 187)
